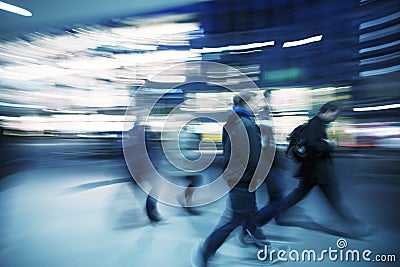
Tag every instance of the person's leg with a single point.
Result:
(270, 211)
(250, 224)
(215, 240)
(330, 187)
(275, 189)
(195, 181)
(189, 195)
(151, 209)
(239, 205)
(357, 227)
(336, 199)
(275, 185)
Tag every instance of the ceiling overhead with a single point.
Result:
(59, 14)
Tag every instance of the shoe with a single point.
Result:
(192, 211)
(188, 209)
(246, 238)
(258, 233)
(197, 257)
(154, 216)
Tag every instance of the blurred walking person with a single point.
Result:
(241, 150)
(272, 165)
(137, 151)
(317, 170)
(181, 144)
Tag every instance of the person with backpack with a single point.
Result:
(317, 170)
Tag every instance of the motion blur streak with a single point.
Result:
(67, 197)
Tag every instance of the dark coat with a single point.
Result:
(241, 142)
(318, 167)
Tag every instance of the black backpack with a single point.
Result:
(297, 149)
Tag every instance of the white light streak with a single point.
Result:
(15, 9)
(383, 107)
(303, 41)
(233, 47)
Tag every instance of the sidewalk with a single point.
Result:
(49, 219)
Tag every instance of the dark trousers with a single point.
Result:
(241, 208)
(330, 190)
(275, 189)
(275, 186)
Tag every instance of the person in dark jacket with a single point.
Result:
(318, 170)
(241, 151)
(272, 165)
